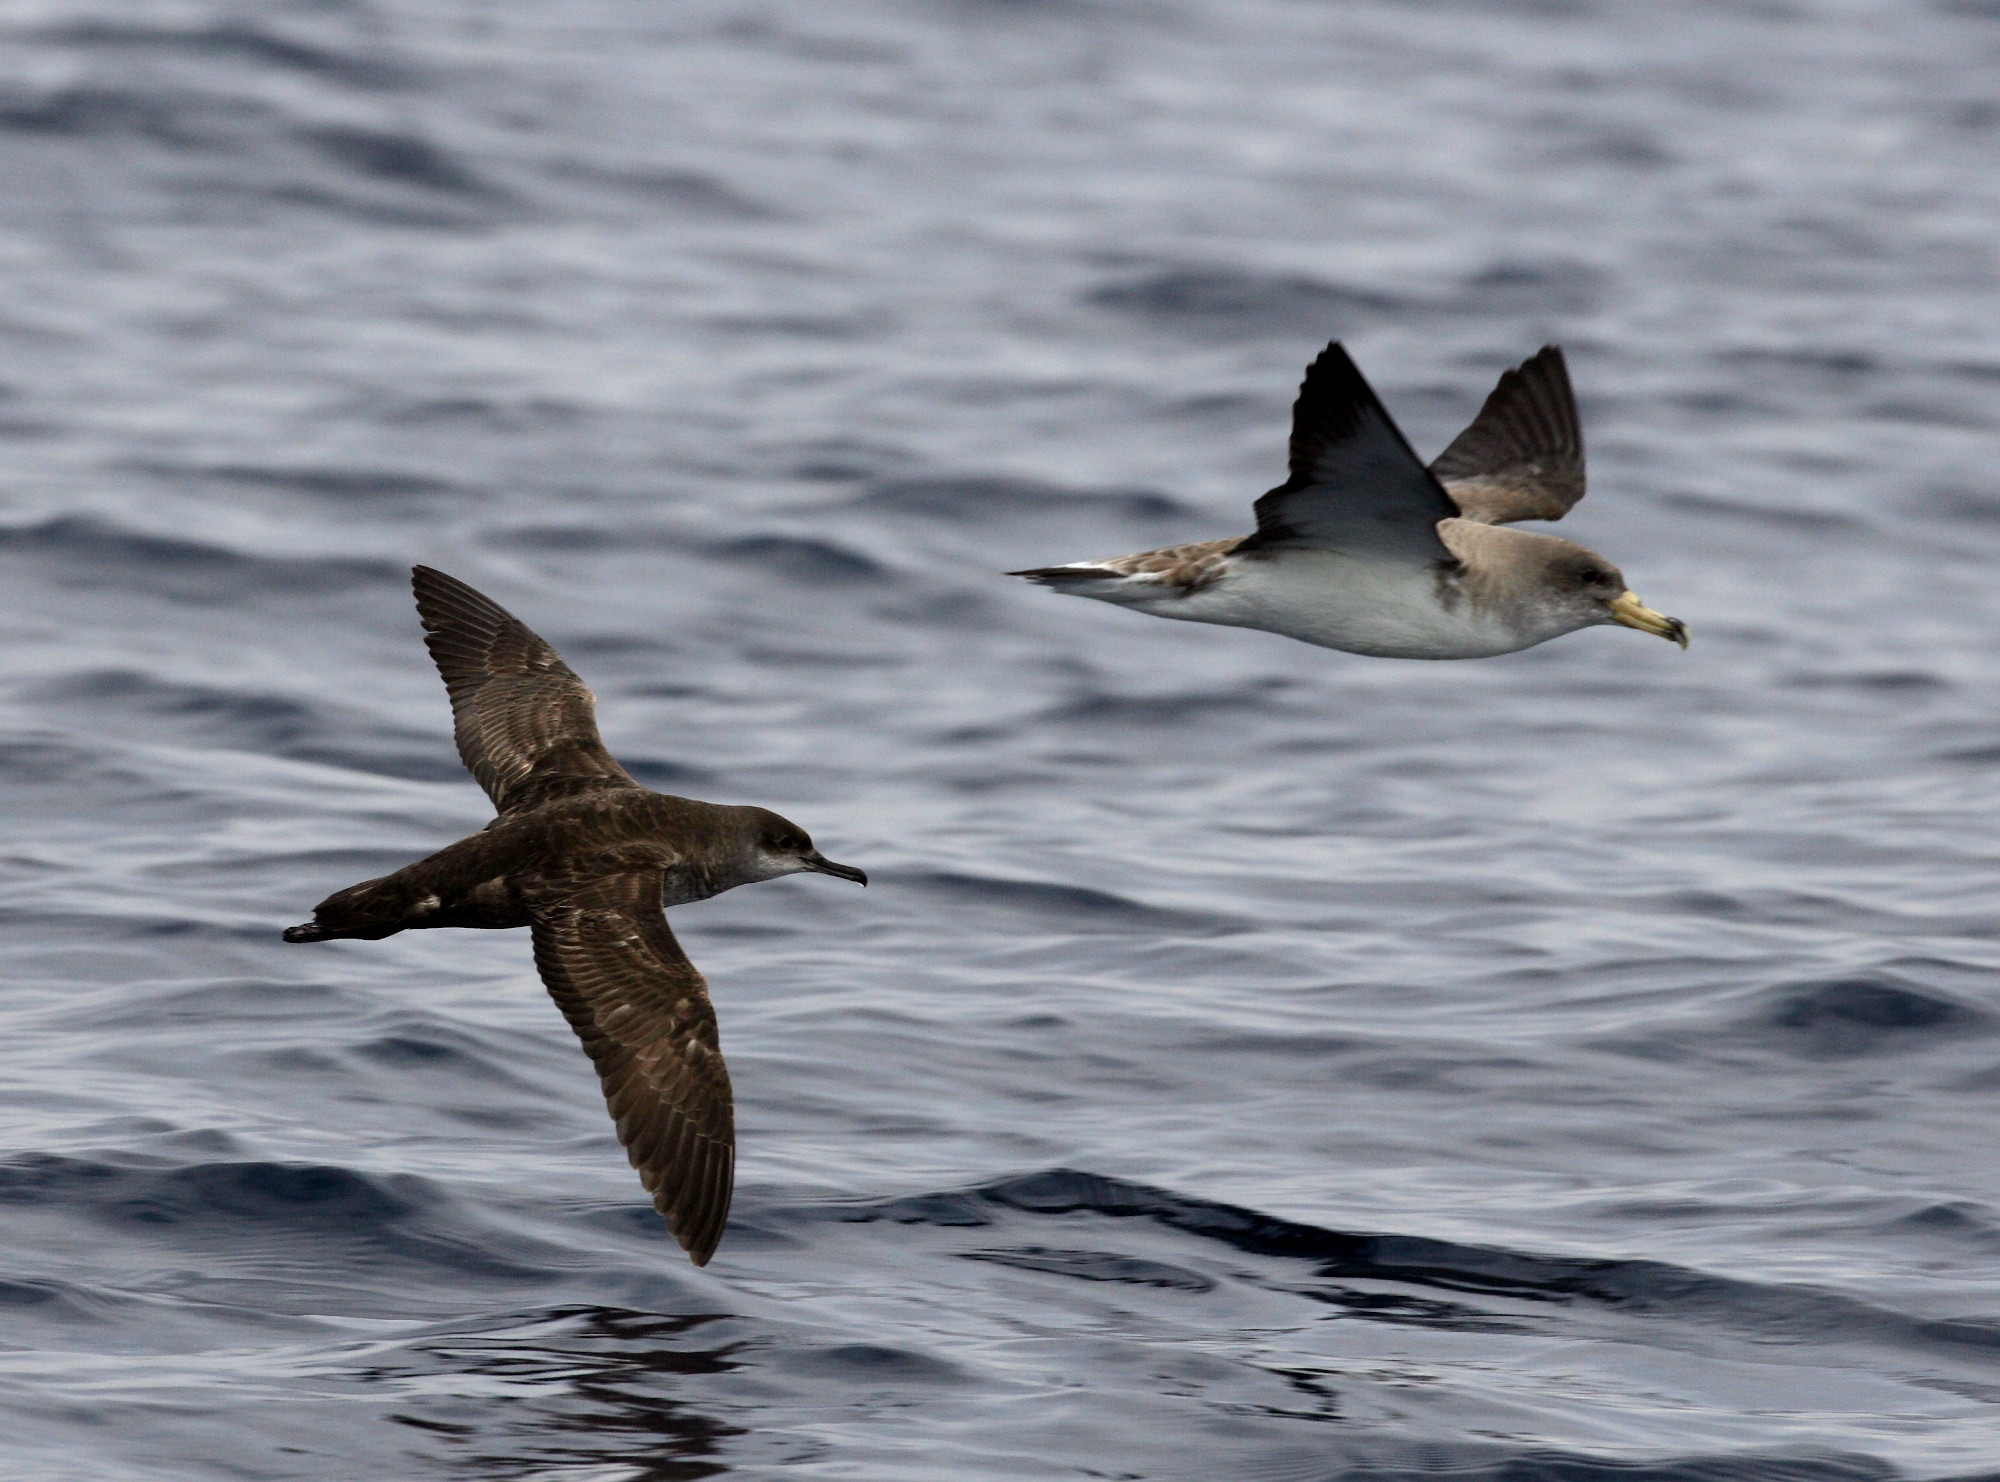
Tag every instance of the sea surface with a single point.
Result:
(1248, 1061)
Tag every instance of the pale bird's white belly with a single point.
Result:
(1386, 609)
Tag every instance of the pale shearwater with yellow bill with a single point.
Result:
(587, 859)
(1365, 549)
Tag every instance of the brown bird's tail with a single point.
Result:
(366, 913)
(314, 931)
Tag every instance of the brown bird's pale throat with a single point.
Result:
(586, 859)
(1363, 548)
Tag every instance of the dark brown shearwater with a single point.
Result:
(587, 859)
(1365, 549)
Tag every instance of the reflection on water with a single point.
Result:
(573, 1387)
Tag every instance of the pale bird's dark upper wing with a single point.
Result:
(526, 725)
(1356, 486)
(1522, 457)
(643, 1014)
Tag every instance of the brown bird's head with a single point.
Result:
(780, 847)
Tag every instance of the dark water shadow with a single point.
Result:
(1761, 1311)
(574, 1386)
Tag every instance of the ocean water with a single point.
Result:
(1249, 1061)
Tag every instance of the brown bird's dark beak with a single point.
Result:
(825, 866)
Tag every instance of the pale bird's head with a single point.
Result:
(1549, 586)
(1584, 583)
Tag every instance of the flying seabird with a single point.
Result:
(1365, 549)
(587, 859)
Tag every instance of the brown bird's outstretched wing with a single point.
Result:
(526, 725)
(1522, 457)
(643, 1014)
(1355, 485)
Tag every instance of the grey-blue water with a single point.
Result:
(1250, 1061)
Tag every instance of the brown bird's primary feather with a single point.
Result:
(612, 965)
(588, 859)
(526, 726)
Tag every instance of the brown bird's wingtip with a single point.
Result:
(700, 1245)
(1550, 361)
(422, 577)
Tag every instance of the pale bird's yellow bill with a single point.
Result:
(1633, 613)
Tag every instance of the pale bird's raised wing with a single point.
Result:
(642, 1012)
(526, 726)
(1522, 457)
(1356, 486)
